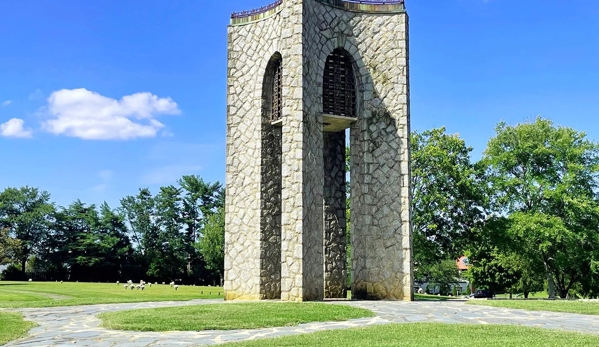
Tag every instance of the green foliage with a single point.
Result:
(229, 317)
(10, 247)
(545, 179)
(442, 274)
(447, 196)
(212, 241)
(26, 212)
(85, 243)
(12, 273)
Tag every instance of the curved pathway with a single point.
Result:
(66, 326)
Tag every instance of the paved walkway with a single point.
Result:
(78, 325)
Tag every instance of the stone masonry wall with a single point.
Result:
(305, 32)
(247, 237)
(250, 47)
(335, 258)
(380, 174)
(270, 219)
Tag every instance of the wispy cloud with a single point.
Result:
(88, 115)
(6, 103)
(36, 95)
(14, 128)
(100, 188)
(169, 174)
(105, 177)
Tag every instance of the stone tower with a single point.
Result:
(301, 72)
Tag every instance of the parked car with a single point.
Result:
(481, 294)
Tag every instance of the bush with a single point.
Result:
(13, 273)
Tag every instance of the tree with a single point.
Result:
(212, 241)
(86, 244)
(546, 179)
(10, 247)
(170, 256)
(26, 213)
(200, 200)
(115, 242)
(139, 212)
(442, 274)
(447, 196)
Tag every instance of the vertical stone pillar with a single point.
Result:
(335, 258)
(270, 212)
(302, 239)
(380, 172)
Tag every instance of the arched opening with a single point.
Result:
(339, 112)
(271, 180)
(339, 85)
(272, 90)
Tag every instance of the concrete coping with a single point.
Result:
(368, 6)
(255, 15)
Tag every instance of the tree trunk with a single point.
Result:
(563, 293)
(526, 294)
(550, 283)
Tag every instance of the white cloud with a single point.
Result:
(6, 103)
(169, 174)
(88, 115)
(14, 128)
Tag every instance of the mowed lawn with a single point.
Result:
(229, 316)
(49, 294)
(431, 334)
(568, 306)
(12, 326)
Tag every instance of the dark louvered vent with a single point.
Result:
(339, 86)
(277, 92)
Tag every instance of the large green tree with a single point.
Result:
(447, 196)
(200, 199)
(86, 243)
(171, 253)
(545, 178)
(26, 212)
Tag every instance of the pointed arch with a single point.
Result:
(272, 89)
(339, 85)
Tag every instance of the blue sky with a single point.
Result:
(153, 75)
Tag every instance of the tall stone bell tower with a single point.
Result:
(300, 73)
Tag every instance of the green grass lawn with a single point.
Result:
(229, 316)
(12, 326)
(48, 294)
(569, 306)
(431, 334)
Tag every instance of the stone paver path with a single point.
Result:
(79, 326)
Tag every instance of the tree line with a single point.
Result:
(526, 215)
(174, 235)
